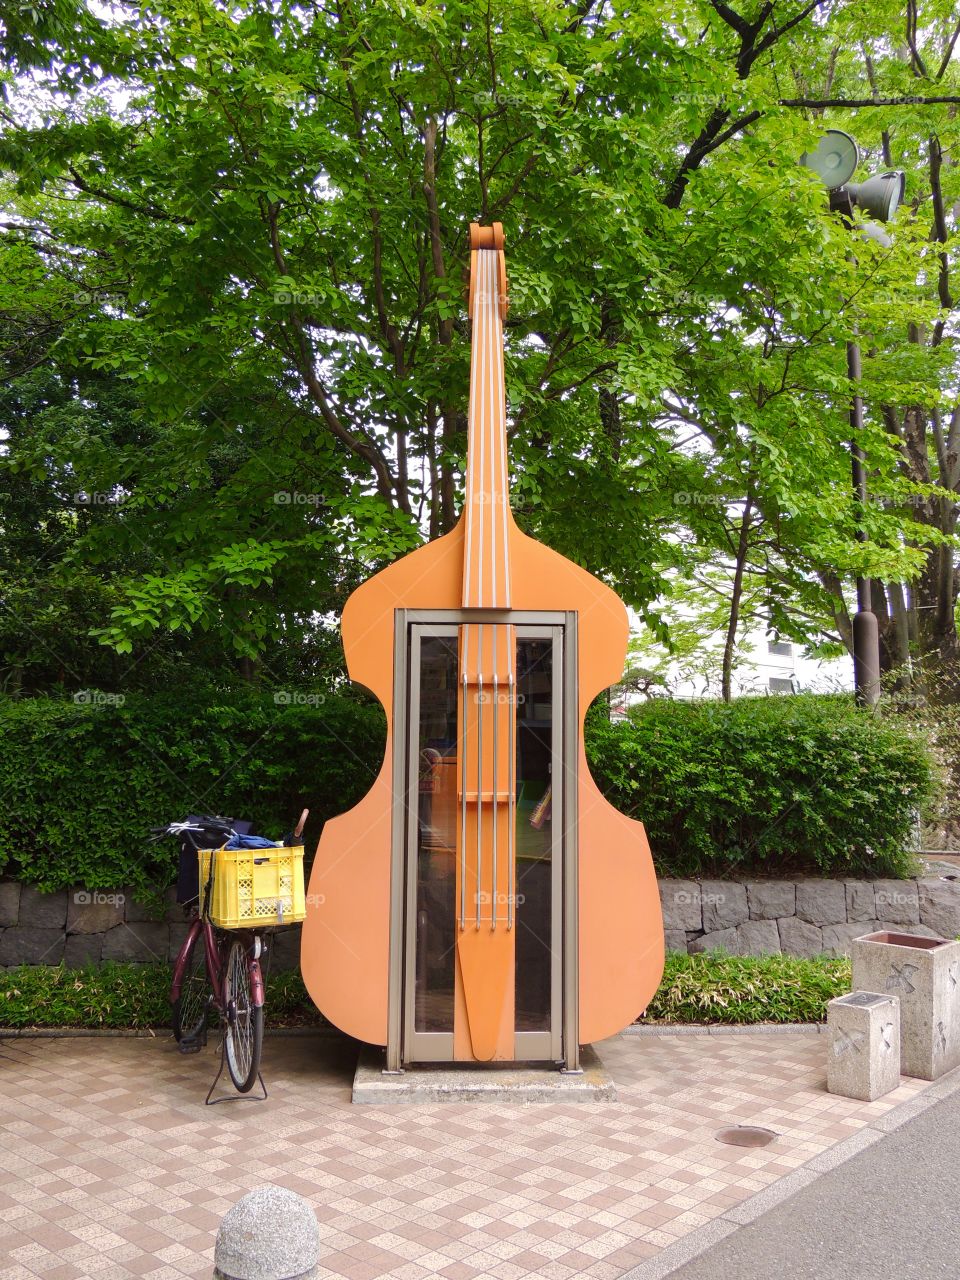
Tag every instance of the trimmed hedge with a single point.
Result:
(762, 785)
(82, 784)
(766, 785)
(720, 989)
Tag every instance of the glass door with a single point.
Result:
(430, 995)
(432, 813)
(538, 944)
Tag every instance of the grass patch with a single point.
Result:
(123, 997)
(712, 988)
(737, 990)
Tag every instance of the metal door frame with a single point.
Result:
(560, 1043)
(419, 1046)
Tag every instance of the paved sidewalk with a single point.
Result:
(891, 1210)
(110, 1165)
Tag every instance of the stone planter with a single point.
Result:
(924, 973)
(863, 1057)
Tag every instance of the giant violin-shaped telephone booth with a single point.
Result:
(483, 902)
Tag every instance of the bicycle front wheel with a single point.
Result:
(244, 1030)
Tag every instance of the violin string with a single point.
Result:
(482, 433)
(490, 479)
(501, 400)
(479, 897)
(487, 485)
(471, 428)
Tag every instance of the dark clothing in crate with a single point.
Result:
(215, 833)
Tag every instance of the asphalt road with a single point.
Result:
(891, 1211)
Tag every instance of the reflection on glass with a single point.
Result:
(436, 834)
(534, 834)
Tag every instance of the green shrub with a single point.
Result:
(768, 785)
(124, 997)
(761, 785)
(747, 989)
(82, 784)
(118, 996)
(695, 989)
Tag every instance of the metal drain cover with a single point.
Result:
(746, 1135)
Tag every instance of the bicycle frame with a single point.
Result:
(215, 967)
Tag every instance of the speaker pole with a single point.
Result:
(866, 633)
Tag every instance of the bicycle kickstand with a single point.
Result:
(211, 1101)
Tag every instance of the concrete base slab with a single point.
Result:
(510, 1082)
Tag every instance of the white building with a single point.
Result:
(763, 664)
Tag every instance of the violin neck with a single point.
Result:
(486, 565)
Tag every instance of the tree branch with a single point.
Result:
(775, 34)
(905, 100)
(919, 69)
(712, 135)
(148, 210)
(363, 449)
(940, 232)
(948, 53)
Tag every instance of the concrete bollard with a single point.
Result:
(269, 1234)
(925, 974)
(863, 1046)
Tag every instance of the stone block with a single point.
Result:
(450, 1082)
(144, 941)
(863, 1045)
(44, 910)
(136, 912)
(82, 949)
(9, 903)
(797, 938)
(898, 901)
(940, 906)
(771, 899)
(720, 940)
(861, 901)
(31, 944)
(758, 938)
(674, 940)
(93, 911)
(925, 975)
(724, 904)
(173, 910)
(177, 936)
(822, 901)
(838, 939)
(269, 1234)
(680, 903)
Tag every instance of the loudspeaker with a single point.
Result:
(835, 159)
(879, 196)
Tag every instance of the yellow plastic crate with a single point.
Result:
(253, 888)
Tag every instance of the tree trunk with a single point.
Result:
(730, 642)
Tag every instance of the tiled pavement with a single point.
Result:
(112, 1167)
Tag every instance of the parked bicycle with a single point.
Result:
(245, 885)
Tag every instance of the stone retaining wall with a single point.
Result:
(803, 917)
(80, 927)
(743, 917)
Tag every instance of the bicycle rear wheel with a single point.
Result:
(244, 1030)
(191, 1008)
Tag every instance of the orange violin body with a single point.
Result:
(485, 563)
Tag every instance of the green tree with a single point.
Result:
(268, 210)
